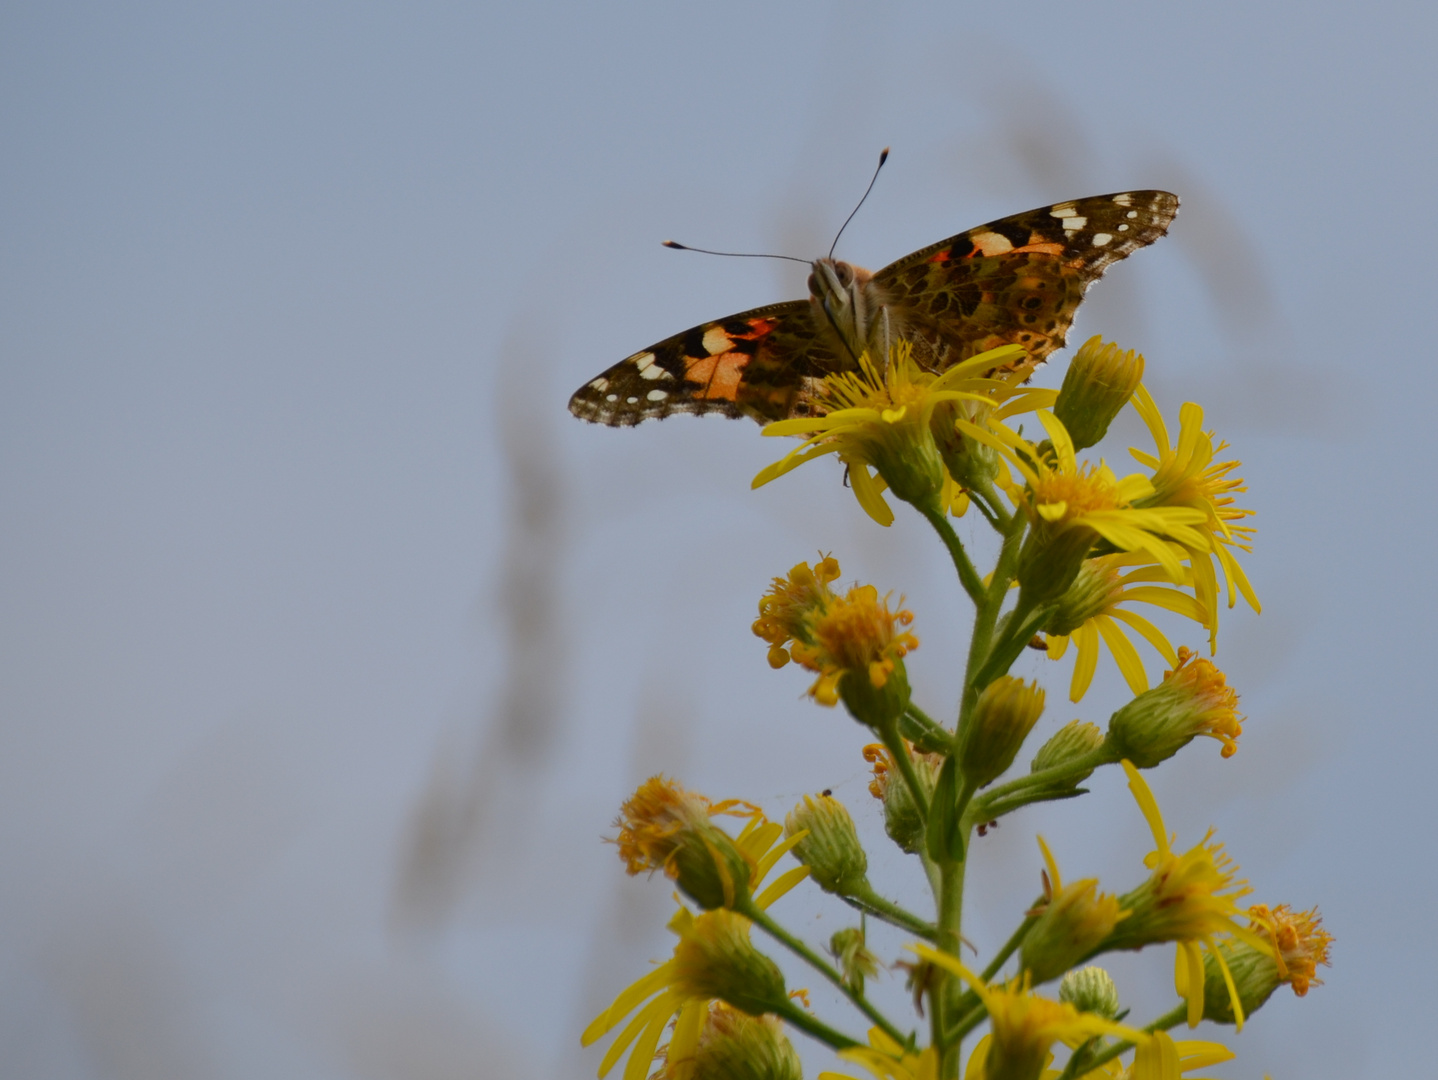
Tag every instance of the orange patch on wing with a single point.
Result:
(1043, 248)
(718, 376)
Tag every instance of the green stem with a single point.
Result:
(871, 903)
(968, 576)
(814, 1027)
(991, 499)
(970, 1000)
(987, 615)
(1058, 776)
(926, 733)
(1083, 1063)
(817, 962)
(951, 912)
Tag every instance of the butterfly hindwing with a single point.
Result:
(1019, 280)
(757, 363)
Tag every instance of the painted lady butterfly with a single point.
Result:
(1014, 281)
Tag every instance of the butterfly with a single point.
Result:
(1015, 281)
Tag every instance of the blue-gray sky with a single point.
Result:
(331, 642)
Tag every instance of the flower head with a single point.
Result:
(1094, 612)
(830, 847)
(1193, 699)
(1188, 898)
(995, 731)
(1186, 474)
(1024, 1026)
(1072, 505)
(664, 827)
(1073, 921)
(1097, 385)
(732, 1045)
(902, 820)
(853, 642)
(879, 418)
(1297, 945)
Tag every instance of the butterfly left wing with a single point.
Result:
(1018, 280)
(760, 363)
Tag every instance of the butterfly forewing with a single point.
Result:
(1019, 280)
(1016, 281)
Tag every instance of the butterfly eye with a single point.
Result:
(813, 285)
(846, 274)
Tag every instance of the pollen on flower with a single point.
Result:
(653, 821)
(857, 632)
(790, 605)
(1214, 701)
(1302, 942)
(1069, 495)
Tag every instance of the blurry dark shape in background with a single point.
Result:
(447, 833)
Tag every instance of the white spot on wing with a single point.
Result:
(1126, 199)
(1133, 213)
(654, 371)
(657, 395)
(611, 397)
(1074, 223)
(1066, 210)
(600, 384)
(1123, 227)
(632, 401)
(1100, 239)
(716, 340)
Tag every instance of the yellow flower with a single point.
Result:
(803, 619)
(1193, 699)
(1072, 505)
(1186, 475)
(1024, 1026)
(1297, 944)
(879, 418)
(1092, 613)
(664, 827)
(1073, 921)
(1188, 899)
(791, 604)
(732, 1044)
(668, 989)
(887, 1060)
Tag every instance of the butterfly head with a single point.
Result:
(848, 306)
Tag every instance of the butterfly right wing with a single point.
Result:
(762, 363)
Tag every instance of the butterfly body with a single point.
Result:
(1016, 281)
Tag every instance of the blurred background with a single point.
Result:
(332, 642)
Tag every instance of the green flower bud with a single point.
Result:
(1099, 381)
(1074, 740)
(1193, 699)
(831, 850)
(1001, 719)
(716, 959)
(1090, 989)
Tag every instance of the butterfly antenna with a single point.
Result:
(730, 254)
(883, 157)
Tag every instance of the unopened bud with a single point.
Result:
(1076, 739)
(971, 463)
(1094, 588)
(856, 962)
(1090, 989)
(1001, 719)
(1193, 699)
(1099, 381)
(831, 850)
